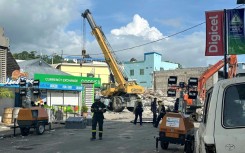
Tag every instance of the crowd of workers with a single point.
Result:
(157, 108)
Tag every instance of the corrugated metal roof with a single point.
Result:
(11, 64)
(39, 66)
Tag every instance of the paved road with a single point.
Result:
(120, 137)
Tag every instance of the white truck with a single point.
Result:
(222, 129)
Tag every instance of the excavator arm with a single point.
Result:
(232, 62)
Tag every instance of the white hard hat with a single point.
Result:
(97, 97)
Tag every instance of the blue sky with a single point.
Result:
(53, 26)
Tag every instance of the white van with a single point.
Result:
(222, 129)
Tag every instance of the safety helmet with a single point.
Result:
(97, 97)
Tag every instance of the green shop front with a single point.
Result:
(67, 93)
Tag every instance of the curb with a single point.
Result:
(10, 133)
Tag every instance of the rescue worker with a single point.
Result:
(161, 114)
(98, 108)
(138, 110)
(154, 110)
(187, 100)
(176, 105)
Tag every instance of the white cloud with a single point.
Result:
(41, 25)
(139, 27)
(187, 50)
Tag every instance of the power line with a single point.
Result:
(150, 41)
(157, 39)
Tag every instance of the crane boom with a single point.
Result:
(124, 93)
(98, 33)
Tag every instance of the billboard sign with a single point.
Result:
(66, 80)
(214, 33)
(235, 31)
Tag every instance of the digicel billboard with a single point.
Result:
(214, 33)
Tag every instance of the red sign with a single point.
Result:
(214, 33)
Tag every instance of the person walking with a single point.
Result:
(98, 108)
(162, 112)
(138, 111)
(176, 105)
(154, 110)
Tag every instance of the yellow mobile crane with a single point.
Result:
(121, 93)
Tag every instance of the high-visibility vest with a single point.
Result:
(188, 101)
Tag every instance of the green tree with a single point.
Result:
(32, 55)
(6, 93)
(25, 55)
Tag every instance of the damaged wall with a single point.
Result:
(161, 77)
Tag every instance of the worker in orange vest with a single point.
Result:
(187, 100)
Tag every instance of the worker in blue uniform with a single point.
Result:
(98, 108)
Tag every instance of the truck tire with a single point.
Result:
(109, 107)
(40, 128)
(117, 104)
(24, 131)
(164, 145)
(131, 109)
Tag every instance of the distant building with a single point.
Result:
(90, 69)
(38, 65)
(142, 71)
(7, 62)
(161, 77)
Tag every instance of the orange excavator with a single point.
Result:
(232, 64)
(178, 128)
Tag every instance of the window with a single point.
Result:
(234, 106)
(206, 105)
(141, 71)
(131, 72)
(161, 69)
(90, 75)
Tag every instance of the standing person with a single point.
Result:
(176, 105)
(98, 108)
(138, 111)
(161, 113)
(154, 110)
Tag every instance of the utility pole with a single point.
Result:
(225, 46)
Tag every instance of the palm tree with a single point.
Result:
(6, 93)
